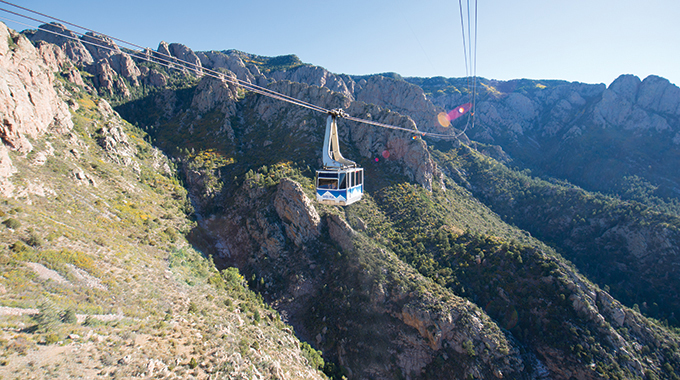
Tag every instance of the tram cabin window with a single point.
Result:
(328, 183)
(343, 181)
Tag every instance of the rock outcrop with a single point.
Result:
(212, 93)
(301, 221)
(29, 103)
(183, 57)
(399, 96)
(110, 66)
(57, 34)
(314, 76)
(231, 61)
(114, 140)
(30, 106)
(394, 145)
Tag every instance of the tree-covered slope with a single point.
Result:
(626, 246)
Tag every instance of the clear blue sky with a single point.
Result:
(592, 41)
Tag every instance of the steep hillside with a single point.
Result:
(450, 267)
(98, 279)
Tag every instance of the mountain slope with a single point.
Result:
(97, 278)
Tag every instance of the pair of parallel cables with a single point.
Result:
(178, 64)
(470, 52)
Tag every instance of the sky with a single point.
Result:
(590, 41)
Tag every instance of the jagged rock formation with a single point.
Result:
(114, 70)
(114, 140)
(59, 35)
(183, 54)
(315, 76)
(591, 135)
(232, 61)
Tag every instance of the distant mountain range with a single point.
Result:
(541, 243)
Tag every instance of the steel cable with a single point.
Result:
(173, 63)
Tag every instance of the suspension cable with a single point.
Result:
(171, 58)
(470, 54)
(171, 62)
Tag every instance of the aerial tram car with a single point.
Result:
(340, 182)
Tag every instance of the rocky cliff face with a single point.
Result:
(29, 103)
(181, 53)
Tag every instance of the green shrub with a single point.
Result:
(312, 355)
(19, 247)
(48, 317)
(172, 234)
(34, 240)
(469, 348)
(92, 322)
(244, 347)
(233, 278)
(193, 363)
(192, 307)
(69, 316)
(51, 338)
(12, 223)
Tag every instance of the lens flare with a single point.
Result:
(511, 318)
(386, 154)
(445, 119)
